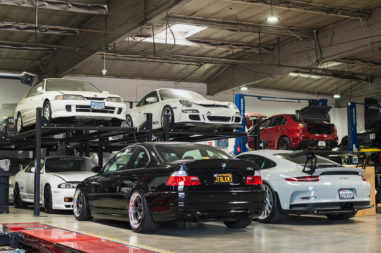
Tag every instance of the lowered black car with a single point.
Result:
(150, 183)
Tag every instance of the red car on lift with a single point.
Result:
(309, 128)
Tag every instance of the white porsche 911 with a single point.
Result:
(301, 182)
(185, 108)
(59, 178)
(64, 98)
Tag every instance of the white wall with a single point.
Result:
(12, 91)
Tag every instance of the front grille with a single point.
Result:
(219, 118)
(214, 106)
(87, 108)
(95, 98)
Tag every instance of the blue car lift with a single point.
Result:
(239, 100)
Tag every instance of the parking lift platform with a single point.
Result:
(45, 238)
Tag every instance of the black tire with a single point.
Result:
(167, 110)
(128, 122)
(17, 202)
(139, 214)
(81, 208)
(19, 123)
(47, 111)
(284, 143)
(341, 216)
(48, 203)
(239, 223)
(273, 212)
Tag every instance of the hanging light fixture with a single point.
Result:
(272, 18)
(104, 70)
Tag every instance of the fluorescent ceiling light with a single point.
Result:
(329, 64)
(272, 19)
(176, 34)
(244, 88)
(336, 96)
(304, 75)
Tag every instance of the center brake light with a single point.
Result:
(303, 179)
(254, 180)
(181, 178)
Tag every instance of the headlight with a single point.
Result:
(69, 97)
(186, 103)
(190, 111)
(67, 186)
(114, 99)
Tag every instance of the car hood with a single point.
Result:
(77, 176)
(89, 94)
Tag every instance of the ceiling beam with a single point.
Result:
(28, 48)
(367, 64)
(22, 27)
(188, 59)
(335, 42)
(237, 26)
(231, 45)
(311, 7)
(125, 16)
(60, 5)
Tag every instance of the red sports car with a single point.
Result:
(308, 128)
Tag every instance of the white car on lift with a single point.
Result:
(58, 180)
(184, 108)
(64, 98)
(301, 182)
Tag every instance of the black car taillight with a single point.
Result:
(255, 179)
(182, 178)
(303, 179)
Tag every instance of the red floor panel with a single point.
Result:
(45, 238)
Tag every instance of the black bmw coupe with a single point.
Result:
(150, 183)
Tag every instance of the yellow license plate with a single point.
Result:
(223, 178)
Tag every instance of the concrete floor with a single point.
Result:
(299, 234)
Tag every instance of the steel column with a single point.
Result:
(37, 163)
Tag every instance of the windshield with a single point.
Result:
(321, 162)
(166, 94)
(68, 164)
(69, 85)
(176, 152)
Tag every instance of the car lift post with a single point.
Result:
(240, 142)
(149, 126)
(37, 163)
(352, 126)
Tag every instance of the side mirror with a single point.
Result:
(151, 100)
(33, 170)
(40, 90)
(105, 92)
(97, 169)
(20, 167)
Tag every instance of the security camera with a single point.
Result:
(104, 72)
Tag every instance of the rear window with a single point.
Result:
(321, 162)
(293, 117)
(176, 152)
(68, 164)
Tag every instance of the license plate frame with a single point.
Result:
(223, 178)
(346, 194)
(97, 105)
(322, 143)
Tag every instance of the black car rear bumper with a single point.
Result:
(313, 144)
(201, 206)
(328, 207)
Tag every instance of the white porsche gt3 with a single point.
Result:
(59, 178)
(185, 108)
(301, 182)
(64, 98)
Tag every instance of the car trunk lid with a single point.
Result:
(316, 119)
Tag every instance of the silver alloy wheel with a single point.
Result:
(135, 210)
(269, 202)
(166, 111)
(47, 111)
(19, 123)
(78, 203)
(127, 122)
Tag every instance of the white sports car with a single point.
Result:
(63, 98)
(184, 107)
(301, 182)
(59, 178)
